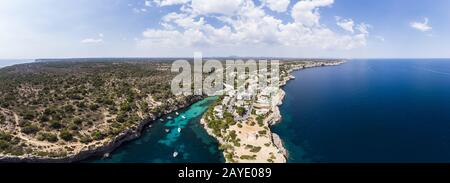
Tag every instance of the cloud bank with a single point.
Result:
(245, 23)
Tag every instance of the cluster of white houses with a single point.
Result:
(252, 98)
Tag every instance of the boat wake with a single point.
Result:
(436, 72)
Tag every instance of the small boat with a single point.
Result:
(177, 113)
(106, 155)
(167, 130)
(169, 117)
(161, 119)
(179, 130)
(175, 154)
(184, 117)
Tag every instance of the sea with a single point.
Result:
(363, 111)
(10, 62)
(172, 139)
(369, 111)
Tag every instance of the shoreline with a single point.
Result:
(116, 142)
(134, 133)
(276, 138)
(280, 154)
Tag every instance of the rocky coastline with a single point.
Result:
(280, 153)
(277, 115)
(126, 136)
(135, 133)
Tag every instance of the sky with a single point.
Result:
(266, 28)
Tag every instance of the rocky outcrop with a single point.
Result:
(279, 144)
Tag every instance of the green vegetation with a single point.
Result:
(30, 129)
(4, 141)
(240, 111)
(218, 125)
(262, 132)
(271, 158)
(78, 100)
(260, 120)
(248, 157)
(66, 135)
(253, 149)
(230, 158)
(50, 137)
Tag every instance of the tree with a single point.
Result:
(48, 137)
(93, 107)
(240, 111)
(260, 120)
(78, 121)
(30, 129)
(55, 124)
(4, 145)
(2, 118)
(97, 135)
(69, 108)
(66, 135)
(28, 115)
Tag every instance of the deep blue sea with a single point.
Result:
(369, 111)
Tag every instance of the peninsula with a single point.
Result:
(241, 120)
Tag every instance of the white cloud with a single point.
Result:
(277, 5)
(346, 24)
(421, 26)
(363, 28)
(228, 7)
(148, 3)
(245, 25)
(307, 12)
(169, 2)
(91, 41)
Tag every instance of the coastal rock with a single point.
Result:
(279, 144)
(265, 146)
(100, 150)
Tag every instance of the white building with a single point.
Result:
(219, 111)
(262, 111)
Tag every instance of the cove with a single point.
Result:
(159, 142)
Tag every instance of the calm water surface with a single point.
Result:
(369, 111)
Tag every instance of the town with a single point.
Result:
(241, 118)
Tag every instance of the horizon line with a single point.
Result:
(243, 57)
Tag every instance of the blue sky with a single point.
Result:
(176, 28)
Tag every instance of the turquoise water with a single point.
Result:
(369, 111)
(193, 144)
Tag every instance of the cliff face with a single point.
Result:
(246, 142)
(123, 137)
